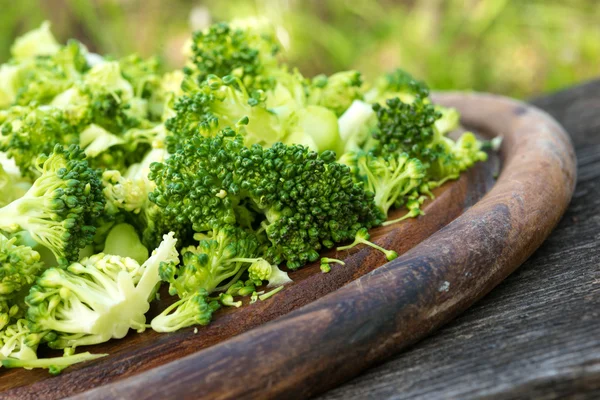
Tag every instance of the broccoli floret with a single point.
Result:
(221, 257)
(325, 264)
(19, 267)
(123, 240)
(195, 309)
(262, 270)
(218, 103)
(34, 132)
(18, 347)
(337, 91)
(42, 78)
(59, 210)
(98, 298)
(306, 200)
(398, 83)
(246, 49)
(143, 74)
(362, 237)
(391, 177)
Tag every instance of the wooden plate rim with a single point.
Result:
(330, 340)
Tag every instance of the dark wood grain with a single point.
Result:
(331, 339)
(537, 335)
(139, 352)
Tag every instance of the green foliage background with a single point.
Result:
(518, 48)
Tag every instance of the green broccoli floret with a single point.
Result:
(391, 177)
(362, 237)
(18, 347)
(195, 309)
(98, 298)
(42, 78)
(306, 200)
(337, 91)
(143, 74)
(36, 131)
(59, 210)
(19, 267)
(325, 264)
(206, 268)
(262, 270)
(246, 49)
(398, 83)
(218, 103)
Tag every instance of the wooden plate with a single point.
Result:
(326, 328)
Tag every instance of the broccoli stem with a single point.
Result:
(55, 364)
(271, 293)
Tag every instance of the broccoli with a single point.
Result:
(336, 92)
(397, 83)
(18, 346)
(97, 298)
(206, 268)
(36, 132)
(195, 309)
(19, 267)
(262, 270)
(246, 49)
(59, 210)
(390, 177)
(123, 241)
(325, 264)
(12, 184)
(306, 200)
(218, 103)
(362, 237)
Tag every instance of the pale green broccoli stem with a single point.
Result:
(414, 210)
(270, 294)
(325, 261)
(54, 364)
(362, 237)
(227, 300)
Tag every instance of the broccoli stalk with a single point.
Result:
(362, 237)
(98, 298)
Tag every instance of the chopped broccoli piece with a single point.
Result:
(262, 270)
(98, 298)
(336, 92)
(123, 240)
(59, 210)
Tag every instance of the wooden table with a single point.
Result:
(537, 335)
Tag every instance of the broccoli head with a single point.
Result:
(246, 49)
(303, 200)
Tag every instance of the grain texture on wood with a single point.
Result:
(537, 335)
(332, 339)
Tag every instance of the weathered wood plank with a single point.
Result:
(537, 335)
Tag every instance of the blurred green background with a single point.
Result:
(518, 48)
